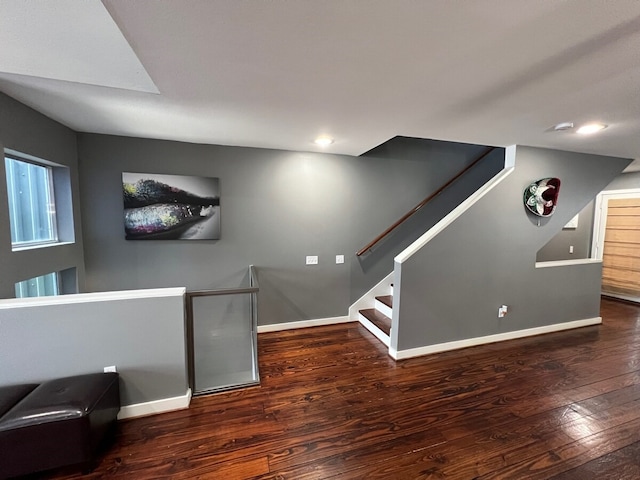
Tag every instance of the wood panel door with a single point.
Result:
(621, 254)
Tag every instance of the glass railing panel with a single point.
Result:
(223, 338)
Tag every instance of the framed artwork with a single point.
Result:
(170, 207)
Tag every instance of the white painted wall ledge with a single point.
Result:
(568, 263)
(277, 327)
(91, 297)
(499, 337)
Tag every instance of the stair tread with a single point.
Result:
(380, 320)
(386, 299)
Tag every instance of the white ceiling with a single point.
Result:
(278, 73)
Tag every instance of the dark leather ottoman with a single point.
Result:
(59, 422)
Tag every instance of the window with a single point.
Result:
(43, 286)
(32, 213)
(63, 282)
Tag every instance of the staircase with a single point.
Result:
(378, 319)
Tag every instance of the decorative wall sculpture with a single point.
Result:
(170, 207)
(541, 197)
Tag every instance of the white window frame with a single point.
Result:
(51, 203)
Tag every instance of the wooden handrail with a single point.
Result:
(370, 245)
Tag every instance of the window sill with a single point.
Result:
(41, 245)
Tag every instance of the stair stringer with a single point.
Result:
(383, 287)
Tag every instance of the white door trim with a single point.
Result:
(600, 216)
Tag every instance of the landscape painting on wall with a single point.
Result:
(170, 207)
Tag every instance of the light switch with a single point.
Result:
(339, 258)
(312, 259)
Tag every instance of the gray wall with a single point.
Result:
(451, 289)
(579, 238)
(625, 181)
(276, 208)
(27, 131)
(452, 158)
(143, 337)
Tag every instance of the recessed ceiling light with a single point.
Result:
(323, 141)
(591, 128)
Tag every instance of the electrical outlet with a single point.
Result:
(112, 368)
(312, 259)
(570, 248)
(502, 311)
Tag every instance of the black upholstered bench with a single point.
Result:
(57, 423)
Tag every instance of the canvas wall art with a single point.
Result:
(170, 207)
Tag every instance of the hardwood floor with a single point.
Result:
(332, 404)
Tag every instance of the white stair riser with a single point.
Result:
(382, 308)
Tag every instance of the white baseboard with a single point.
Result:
(155, 406)
(499, 337)
(276, 327)
(628, 298)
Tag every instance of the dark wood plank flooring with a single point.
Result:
(332, 404)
